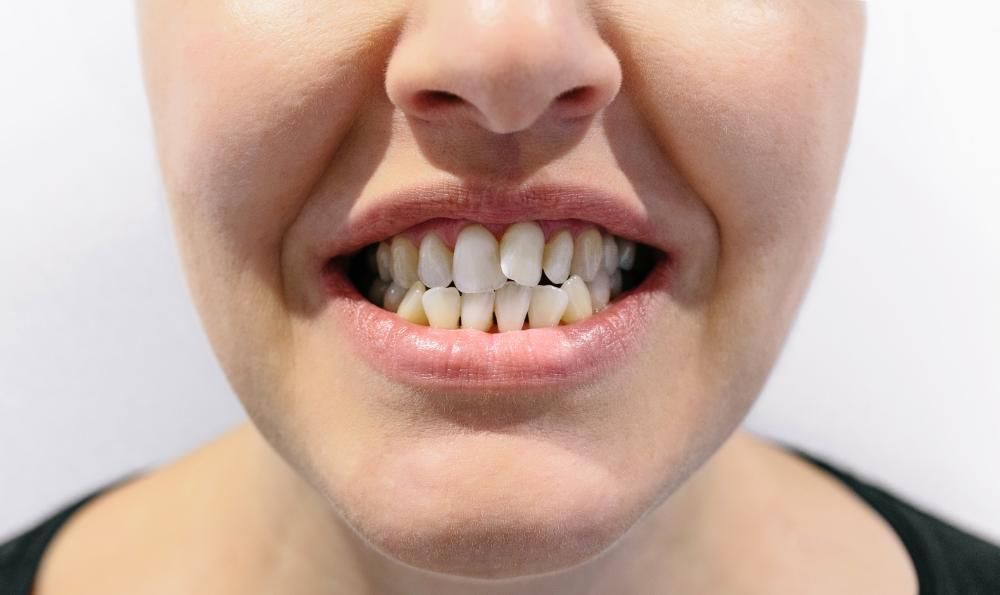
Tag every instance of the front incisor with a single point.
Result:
(476, 264)
(521, 253)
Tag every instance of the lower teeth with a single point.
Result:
(422, 284)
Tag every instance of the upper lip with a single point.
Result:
(401, 209)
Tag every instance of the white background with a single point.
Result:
(892, 368)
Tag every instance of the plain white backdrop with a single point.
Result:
(892, 369)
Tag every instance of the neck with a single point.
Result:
(318, 554)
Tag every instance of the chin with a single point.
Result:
(493, 507)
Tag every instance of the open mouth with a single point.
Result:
(457, 274)
(467, 288)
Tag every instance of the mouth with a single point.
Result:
(453, 287)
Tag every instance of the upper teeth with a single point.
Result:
(500, 279)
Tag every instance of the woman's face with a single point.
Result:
(293, 133)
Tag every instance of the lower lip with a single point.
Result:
(543, 358)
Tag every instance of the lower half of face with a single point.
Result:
(475, 397)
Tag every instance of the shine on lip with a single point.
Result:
(464, 359)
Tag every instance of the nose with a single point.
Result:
(502, 64)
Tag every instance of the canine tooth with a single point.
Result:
(521, 250)
(548, 303)
(412, 306)
(476, 266)
(600, 290)
(383, 258)
(579, 306)
(477, 310)
(404, 260)
(626, 254)
(376, 293)
(512, 302)
(434, 268)
(610, 262)
(588, 251)
(394, 295)
(616, 283)
(558, 256)
(442, 306)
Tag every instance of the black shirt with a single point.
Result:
(948, 560)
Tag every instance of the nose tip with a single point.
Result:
(504, 68)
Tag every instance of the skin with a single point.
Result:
(275, 120)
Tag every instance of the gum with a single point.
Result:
(448, 229)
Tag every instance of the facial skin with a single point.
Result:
(275, 120)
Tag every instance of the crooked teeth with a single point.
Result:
(434, 267)
(393, 296)
(485, 280)
(512, 302)
(477, 310)
(548, 303)
(579, 305)
(442, 305)
(588, 252)
(476, 265)
(412, 306)
(600, 290)
(558, 256)
(404, 261)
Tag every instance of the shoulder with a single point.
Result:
(150, 534)
(947, 559)
(21, 555)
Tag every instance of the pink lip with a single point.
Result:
(398, 211)
(456, 360)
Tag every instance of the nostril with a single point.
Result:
(430, 100)
(576, 95)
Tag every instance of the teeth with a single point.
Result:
(557, 256)
(383, 260)
(393, 296)
(477, 310)
(588, 252)
(476, 266)
(434, 268)
(600, 290)
(511, 306)
(412, 307)
(610, 262)
(376, 293)
(442, 306)
(626, 254)
(547, 306)
(404, 261)
(579, 306)
(616, 283)
(521, 253)
(484, 280)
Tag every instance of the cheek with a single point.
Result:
(250, 103)
(752, 102)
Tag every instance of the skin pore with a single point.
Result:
(726, 121)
